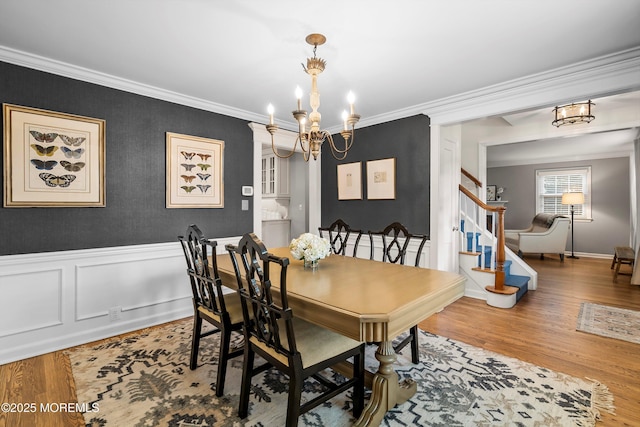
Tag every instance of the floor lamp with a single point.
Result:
(573, 198)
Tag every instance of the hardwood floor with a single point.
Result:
(540, 329)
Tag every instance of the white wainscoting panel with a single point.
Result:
(55, 300)
(130, 284)
(30, 300)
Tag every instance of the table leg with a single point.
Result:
(386, 392)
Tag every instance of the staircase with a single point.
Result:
(494, 273)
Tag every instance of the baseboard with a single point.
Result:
(590, 255)
(65, 342)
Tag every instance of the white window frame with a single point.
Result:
(575, 179)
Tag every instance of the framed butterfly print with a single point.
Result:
(194, 172)
(52, 159)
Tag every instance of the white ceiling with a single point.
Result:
(583, 141)
(237, 56)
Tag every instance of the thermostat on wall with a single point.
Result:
(247, 190)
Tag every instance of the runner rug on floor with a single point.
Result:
(144, 380)
(612, 322)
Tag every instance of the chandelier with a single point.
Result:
(311, 140)
(579, 112)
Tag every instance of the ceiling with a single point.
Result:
(237, 56)
(581, 142)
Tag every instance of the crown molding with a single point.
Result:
(605, 75)
(64, 69)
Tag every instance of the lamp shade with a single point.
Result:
(572, 198)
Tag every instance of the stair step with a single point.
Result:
(520, 282)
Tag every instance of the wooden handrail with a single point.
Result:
(479, 202)
(498, 286)
(475, 180)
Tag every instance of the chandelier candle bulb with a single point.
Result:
(351, 98)
(344, 118)
(299, 97)
(270, 111)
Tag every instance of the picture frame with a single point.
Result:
(491, 193)
(195, 172)
(52, 159)
(350, 181)
(381, 179)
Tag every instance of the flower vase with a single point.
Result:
(311, 264)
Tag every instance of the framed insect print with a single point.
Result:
(194, 172)
(52, 159)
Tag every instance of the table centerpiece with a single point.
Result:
(310, 248)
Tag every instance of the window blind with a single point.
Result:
(552, 183)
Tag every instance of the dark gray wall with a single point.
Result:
(610, 201)
(135, 210)
(408, 140)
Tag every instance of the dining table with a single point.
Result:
(366, 300)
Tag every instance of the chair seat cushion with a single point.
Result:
(232, 302)
(315, 344)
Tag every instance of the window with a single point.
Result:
(551, 183)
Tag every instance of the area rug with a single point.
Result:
(145, 380)
(612, 322)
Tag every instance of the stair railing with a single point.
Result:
(484, 223)
(470, 177)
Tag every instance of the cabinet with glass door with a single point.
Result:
(275, 176)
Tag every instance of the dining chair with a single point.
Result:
(216, 304)
(394, 240)
(297, 348)
(338, 235)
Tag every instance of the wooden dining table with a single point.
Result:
(369, 301)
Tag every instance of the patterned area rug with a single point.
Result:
(145, 380)
(609, 322)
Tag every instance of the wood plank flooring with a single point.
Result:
(540, 329)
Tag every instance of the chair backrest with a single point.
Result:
(338, 235)
(395, 239)
(263, 317)
(206, 284)
(544, 221)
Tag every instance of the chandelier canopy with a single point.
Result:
(579, 112)
(311, 140)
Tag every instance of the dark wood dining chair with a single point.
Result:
(338, 235)
(394, 240)
(212, 302)
(295, 347)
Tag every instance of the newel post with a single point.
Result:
(500, 253)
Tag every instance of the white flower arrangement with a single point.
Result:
(310, 247)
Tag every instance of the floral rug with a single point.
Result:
(612, 322)
(145, 380)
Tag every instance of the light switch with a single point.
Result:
(245, 205)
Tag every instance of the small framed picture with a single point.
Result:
(381, 179)
(350, 181)
(194, 172)
(491, 193)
